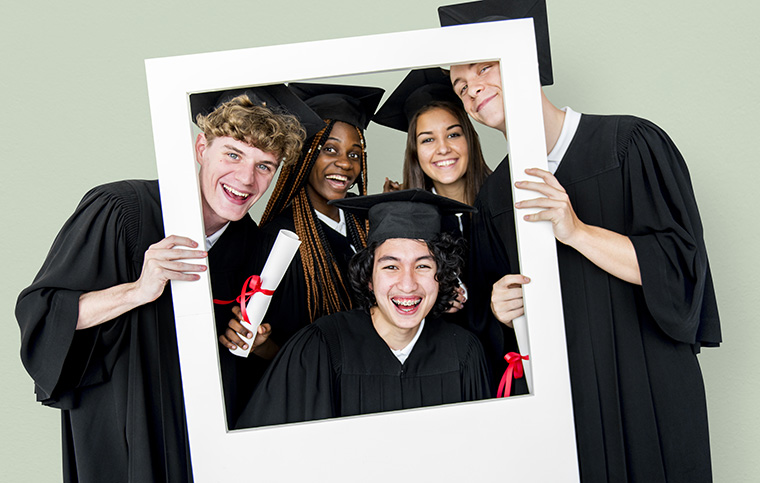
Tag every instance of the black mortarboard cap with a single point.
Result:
(419, 88)
(413, 213)
(491, 10)
(277, 97)
(352, 104)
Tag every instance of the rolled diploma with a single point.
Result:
(521, 332)
(284, 249)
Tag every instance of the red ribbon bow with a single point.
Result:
(514, 366)
(254, 283)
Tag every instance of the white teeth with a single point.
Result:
(337, 177)
(235, 192)
(407, 303)
(443, 164)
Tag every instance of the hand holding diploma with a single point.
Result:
(507, 307)
(233, 337)
(277, 263)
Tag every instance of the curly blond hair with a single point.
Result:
(241, 119)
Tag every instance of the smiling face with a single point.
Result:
(233, 176)
(479, 87)
(442, 148)
(405, 288)
(335, 169)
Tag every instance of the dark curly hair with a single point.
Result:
(448, 253)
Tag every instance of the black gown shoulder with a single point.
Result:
(118, 383)
(120, 216)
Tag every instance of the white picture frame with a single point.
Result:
(529, 438)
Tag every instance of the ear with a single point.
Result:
(200, 147)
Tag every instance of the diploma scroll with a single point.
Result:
(284, 249)
(521, 332)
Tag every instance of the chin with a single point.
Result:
(494, 122)
(408, 323)
(448, 180)
(235, 214)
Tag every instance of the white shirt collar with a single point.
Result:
(402, 354)
(339, 226)
(214, 237)
(569, 127)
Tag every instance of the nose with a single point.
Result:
(443, 146)
(245, 173)
(474, 89)
(408, 280)
(343, 162)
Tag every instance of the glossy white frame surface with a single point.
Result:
(528, 438)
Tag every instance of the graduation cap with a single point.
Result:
(418, 89)
(354, 105)
(491, 10)
(413, 213)
(278, 98)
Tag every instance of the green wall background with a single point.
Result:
(75, 114)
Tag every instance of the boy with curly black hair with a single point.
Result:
(392, 353)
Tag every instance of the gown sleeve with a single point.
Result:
(666, 232)
(475, 383)
(91, 252)
(298, 386)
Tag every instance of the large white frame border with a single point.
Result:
(527, 438)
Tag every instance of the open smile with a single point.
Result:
(234, 195)
(338, 181)
(406, 305)
(445, 163)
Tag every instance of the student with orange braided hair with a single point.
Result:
(332, 161)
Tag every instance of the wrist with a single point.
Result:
(578, 237)
(132, 296)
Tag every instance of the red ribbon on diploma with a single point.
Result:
(254, 283)
(514, 366)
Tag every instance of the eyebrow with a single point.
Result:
(233, 148)
(338, 140)
(391, 258)
(448, 129)
(459, 79)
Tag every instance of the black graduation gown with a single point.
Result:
(638, 395)
(340, 366)
(288, 311)
(239, 253)
(450, 225)
(118, 384)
